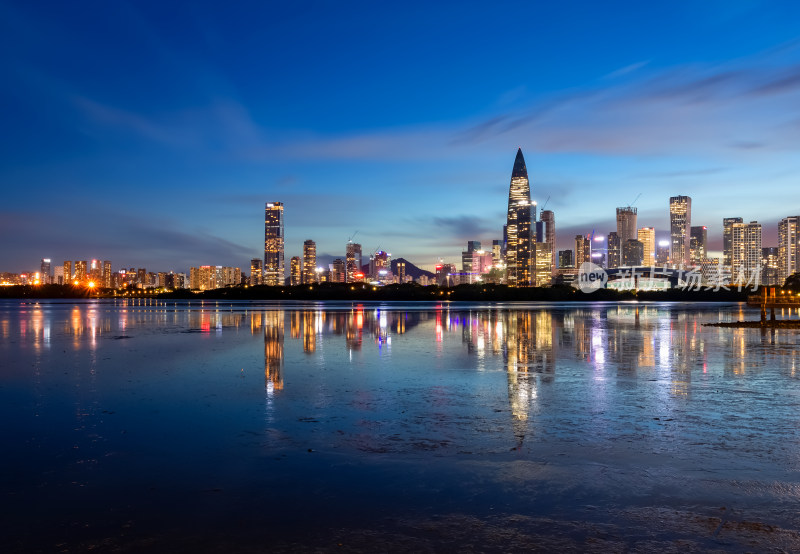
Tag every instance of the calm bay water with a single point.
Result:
(396, 427)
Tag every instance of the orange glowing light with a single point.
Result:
(91, 284)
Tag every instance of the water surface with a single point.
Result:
(399, 427)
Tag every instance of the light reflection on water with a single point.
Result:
(645, 385)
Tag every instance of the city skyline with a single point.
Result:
(166, 160)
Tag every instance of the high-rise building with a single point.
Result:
(614, 251)
(662, 253)
(273, 244)
(726, 240)
(80, 270)
(519, 244)
(626, 224)
(583, 250)
(401, 272)
(497, 252)
(549, 219)
(44, 272)
(788, 247)
(698, 249)
(566, 259)
(309, 262)
(141, 277)
(338, 272)
(295, 271)
(632, 253)
(67, 272)
(770, 267)
(353, 260)
(647, 236)
(96, 272)
(745, 252)
(469, 273)
(256, 272)
(380, 265)
(194, 278)
(58, 275)
(543, 268)
(680, 220)
(107, 281)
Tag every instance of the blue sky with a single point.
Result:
(152, 133)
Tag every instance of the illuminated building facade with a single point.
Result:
(583, 250)
(548, 218)
(543, 269)
(632, 253)
(309, 262)
(380, 265)
(614, 251)
(44, 271)
(401, 272)
(80, 270)
(256, 272)
(647, 236)
(352, 260)
(295, 271)
(770, 267)
(273, 244)
(727, 230)
(107, 281)
(662, 253)
(626, 224)
(746, 251)
(67, 271)
(519, 223)
(680, 221)
(338, 272)
(788, 247)
(698, 245)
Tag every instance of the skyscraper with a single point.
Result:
(549, 220)
(67, 272)
(680, 220)
(770, 269)
(788, 247)
(80, 270)
(352, 260)
(309, 262)
(614, 250)
(44, 276)
(726, 240)
(647, 236)
(583, 250)
(256, 272)
(273, 244)
(519, 255)
(698, 249)
(626, 224)
(338, 272)
(632, 253)
(295, 271)
(107, 282)
(746, 251)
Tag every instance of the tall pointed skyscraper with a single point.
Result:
(519, 254)
(273, 244)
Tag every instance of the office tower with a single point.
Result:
(549, 219)
(543, 266)
(726, 240)
(745, 251)
(295, 271)
(380, 265)
(162, 280)
(519, 255)
(273, 244)
(497, 252)
(469, 272)
(788, 247)
(444, 274)
(256, 272)
(44, 272)
(58, 275)
(194, 278)
(626, 224)
(141, 277)
(698, 250)
(309, 262)
(107, 281)
(662, 253)
(680, 220)
(96, 272)
(67, 272)
(583, 250)
(566, 259)
(401, 272)
(353, 260)
(647, 236)
(338, 274)
(632, 253)
(80, 270)
(770, 267)
(614, 251)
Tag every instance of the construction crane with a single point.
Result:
(350, 239)
(634, 200)
(545, 204)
